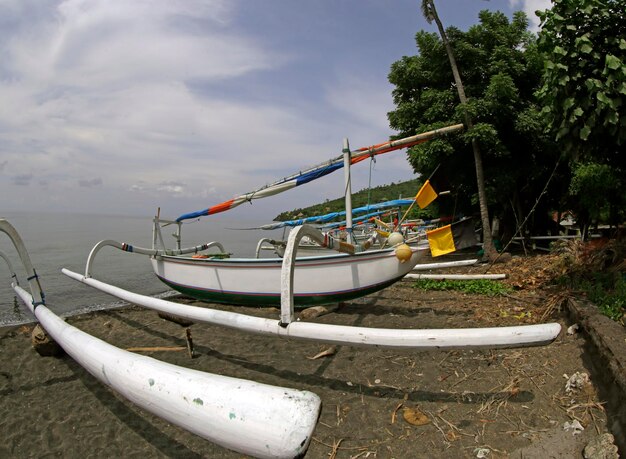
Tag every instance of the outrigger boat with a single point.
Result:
(288, 327)
(269, 421)
(322, 279)
(291, 281)
(249, 417)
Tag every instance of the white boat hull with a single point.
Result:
(317, 280)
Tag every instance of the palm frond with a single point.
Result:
(427, 11)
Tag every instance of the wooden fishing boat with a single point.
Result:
(251, 281)
(320, 279)
(288, 327)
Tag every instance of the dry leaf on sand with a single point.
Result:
(415, 416)
(325, 353)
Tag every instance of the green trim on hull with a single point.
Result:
(273, 300)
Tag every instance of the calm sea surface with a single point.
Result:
(64, 241)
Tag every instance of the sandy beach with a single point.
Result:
(487, 403)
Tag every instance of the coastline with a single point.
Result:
(27, 318)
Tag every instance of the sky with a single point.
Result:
(120, 107)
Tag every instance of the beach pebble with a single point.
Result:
(572, 329)
(415, 416)
(576, 382)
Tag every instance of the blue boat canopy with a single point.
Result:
(334, 215)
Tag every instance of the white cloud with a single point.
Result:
(529, 7)
(171, 187)
(125, 105)
(102, 86)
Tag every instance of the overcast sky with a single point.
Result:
(120, 107)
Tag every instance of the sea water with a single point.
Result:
(56, 241)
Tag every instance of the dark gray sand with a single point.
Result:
(488, 403)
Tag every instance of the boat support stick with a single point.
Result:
(445, 264)
(8, 262)
(347, 190)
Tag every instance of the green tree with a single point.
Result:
(583, 43)
(590, 186)
(501, 70)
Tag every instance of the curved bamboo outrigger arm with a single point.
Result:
(33, 279)
(289, 262)
(274, 244)
(255, 419)
(141, 250)
(289, 259)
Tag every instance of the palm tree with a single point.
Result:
(430, 13)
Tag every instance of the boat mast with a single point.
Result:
(348, 190)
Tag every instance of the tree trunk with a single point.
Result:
(488, 247)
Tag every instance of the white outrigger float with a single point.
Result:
(245, 416)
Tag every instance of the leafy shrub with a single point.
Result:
(611, 301)
(476, 286)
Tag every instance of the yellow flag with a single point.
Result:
(441, 241)
(425, 195)
(456, 236)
